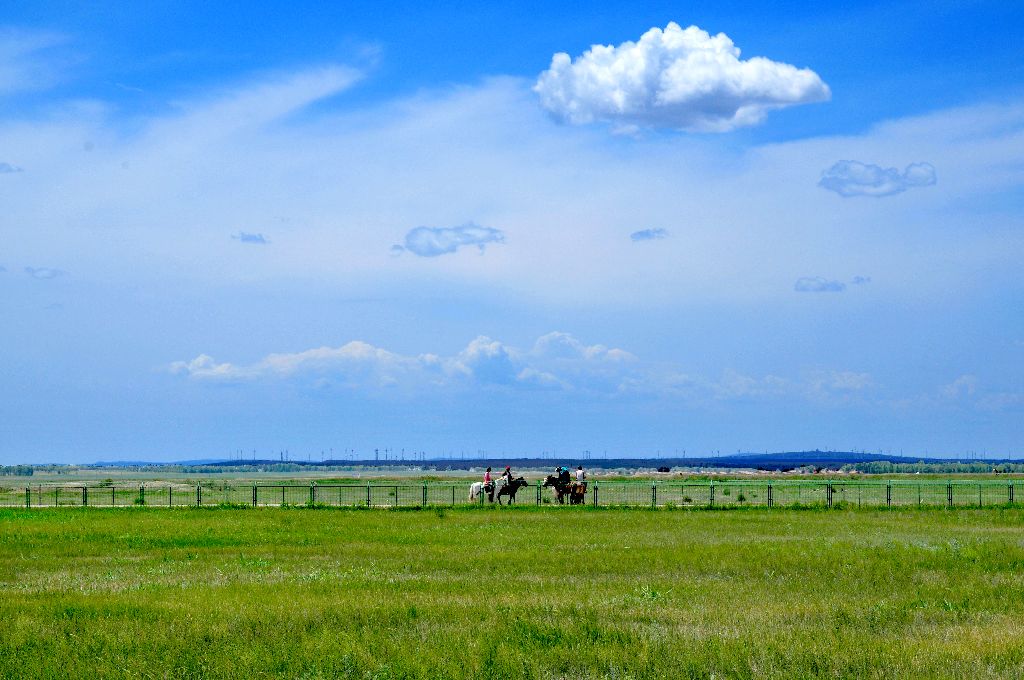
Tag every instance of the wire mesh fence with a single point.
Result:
(717, 494)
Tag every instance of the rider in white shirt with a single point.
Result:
(581, 476)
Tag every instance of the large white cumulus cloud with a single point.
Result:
(673, 78)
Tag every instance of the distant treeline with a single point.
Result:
(16, 470)
(883, 467)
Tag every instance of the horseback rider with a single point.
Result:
(506, 476)
(489, 484)
(564, 478)
(581, 478)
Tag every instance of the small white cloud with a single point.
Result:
(964, 386)
(853, 178)
(648, 235)
(558, 345)
(434, 241)
(8, 169)
(44, 273)
(841, 381)
(253, 239)
(677, 78)
(203, 366)
(817, 284)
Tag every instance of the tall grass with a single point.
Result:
(529, 592)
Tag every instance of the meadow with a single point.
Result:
(523, 592)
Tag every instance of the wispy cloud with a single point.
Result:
(818, 284)
(677, 78)
(434, 241)
(44, 273)
(254, 239)
(860, 280)
(648, 234)
(967, 391)
(27, 60)
(7, 168)
(853, 178)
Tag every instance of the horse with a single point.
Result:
(576, 491)
(510, 489)
(477, 489)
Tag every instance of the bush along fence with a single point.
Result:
(767, 494)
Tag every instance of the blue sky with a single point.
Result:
(448, 228)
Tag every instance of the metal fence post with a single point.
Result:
(828, 494)
(85, 496)
(254, 495)
(113, 498)
(595, 494)
(770, 499)
(1011, 491)
(28, 497)
(654, 495)
(142, 494)
(312, 494)
(888, 495)
(538, 494)
(979, 495)
(424, 494)
(367, 495)
(396, 496)
(949, 495)
(712, 494)
(199, 495)
(918, 495)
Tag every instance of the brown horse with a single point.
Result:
(575, 491)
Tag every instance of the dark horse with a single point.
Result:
(511, 489)
(576, 491)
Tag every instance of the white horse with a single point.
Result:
(476, 490)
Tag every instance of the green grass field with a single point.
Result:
(527, 592)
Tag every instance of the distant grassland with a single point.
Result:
(524, 592)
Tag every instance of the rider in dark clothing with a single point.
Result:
(564, 477)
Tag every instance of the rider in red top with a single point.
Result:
(489, 484)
